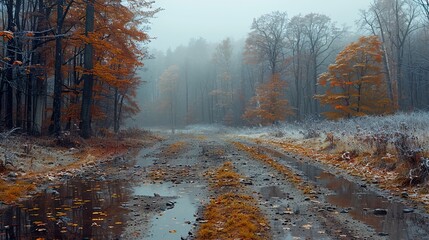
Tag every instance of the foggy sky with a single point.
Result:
(215, 20)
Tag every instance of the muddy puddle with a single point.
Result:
(179, 216)
(387, 217)
(76, 210)
(82, 209)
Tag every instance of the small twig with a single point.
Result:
(5, 135)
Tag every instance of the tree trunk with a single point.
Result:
(29, 103)
(9, 72)
(18, 56)
(56, 114)
(88, 77)
(115, 112)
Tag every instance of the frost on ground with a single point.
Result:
(396, 145)
(364, 134)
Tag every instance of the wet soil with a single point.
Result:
(161, 192)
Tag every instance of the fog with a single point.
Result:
(259, 62)
(215, 20)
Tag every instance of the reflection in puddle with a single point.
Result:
(76, 210)
(361, 203)
(175, 222)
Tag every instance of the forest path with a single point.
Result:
(177, 187)
(295, 206)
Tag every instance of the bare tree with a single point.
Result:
(297, 43)
(393, 21)
(169, 82)
(321, 33)
(268, 38)
(224, 87)
(425, 6)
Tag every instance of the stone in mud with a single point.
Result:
(408, 210)
(246, 181)
(344, 211)
(380, 211)
(330, 209)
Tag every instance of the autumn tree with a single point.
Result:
(43, 60)
(269, 105)
(354, 83)
(111, 55)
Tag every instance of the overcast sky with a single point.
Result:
(215, 20)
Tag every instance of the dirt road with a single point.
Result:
(180, 187)
(299, 198)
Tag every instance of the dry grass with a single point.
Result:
(174, 149)
(305, 187)
(224, 176)
(231, 215)
(361, 165)
(157, 174)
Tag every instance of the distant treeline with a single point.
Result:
(326, 70)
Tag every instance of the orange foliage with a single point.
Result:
(355, 84)
(117, 54)
(7, 35)
(270, 104)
